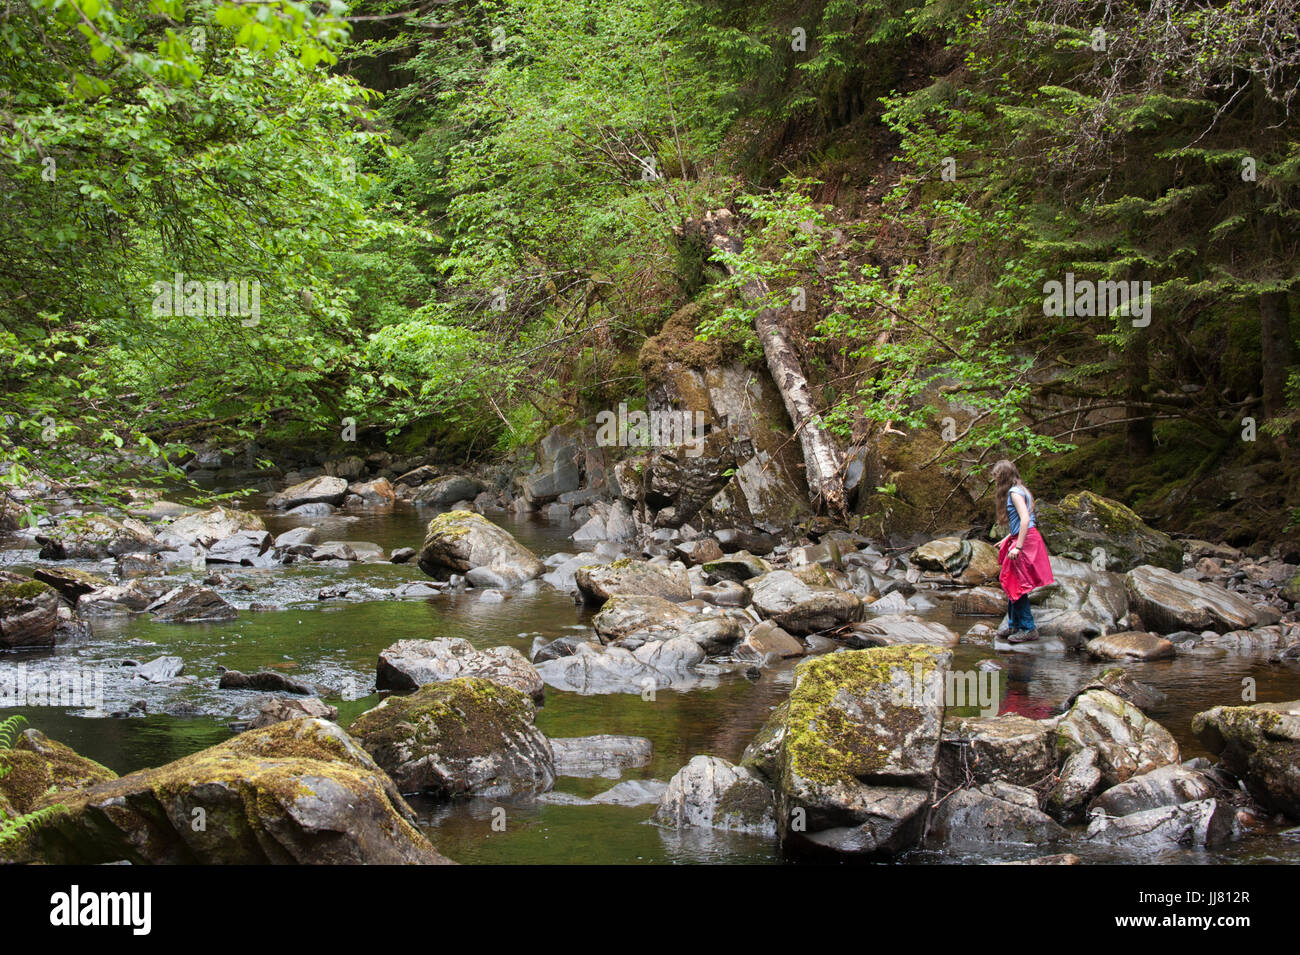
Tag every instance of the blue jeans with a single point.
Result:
(1019, 616)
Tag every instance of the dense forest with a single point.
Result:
(648, 432)
(1058, 231)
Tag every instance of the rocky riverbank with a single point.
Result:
(871, 756)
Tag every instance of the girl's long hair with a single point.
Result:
(1005, 477)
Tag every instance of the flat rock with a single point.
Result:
(1168, 602)
(1130, 645)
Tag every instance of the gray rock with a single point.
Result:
(161, 670)
(711, 793)
(409, 664)
(1259, 744)
(191, 604)
(1165, 786)
(799, 607)
(448, 490)
(992, 814)
(603, 755)
(1008, 748)
(1206, 823)
(459, 541)
(464, 737)
(317, 490)
(1168, 602)
(599, 582)
(1128, 743)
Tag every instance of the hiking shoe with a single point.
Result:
(1003, 632)
(1023, 636)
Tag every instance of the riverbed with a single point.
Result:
(335, 643)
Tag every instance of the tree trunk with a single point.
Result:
(1275, 349)
(823, 462)
(1138, 432)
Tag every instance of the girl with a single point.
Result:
(1022, 553)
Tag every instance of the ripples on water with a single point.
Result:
(336, 643)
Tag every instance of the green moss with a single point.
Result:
(823, 743)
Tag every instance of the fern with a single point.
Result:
(8, 728)
(17, 826)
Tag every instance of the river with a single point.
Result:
(336, 643)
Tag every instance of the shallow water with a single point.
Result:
(335, 643)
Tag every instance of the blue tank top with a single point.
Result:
(1013, 516)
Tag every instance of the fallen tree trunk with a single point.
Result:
(823, 462)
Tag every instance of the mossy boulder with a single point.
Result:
(1088, 527)
(1291, 591)
(853, 751)
(37, 767)
(626, 577)
(300, 791)
(1260, 744)
(464, 737)
(459, 541)
(29, 613)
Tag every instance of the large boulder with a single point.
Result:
(1088, 527)
(192, 604)
(448, 490)
(1205, 823)
(325, 489)
(410, 664)
(1165, 786)
(1259, 744)
(301, 791)
(95, 537)
(852, 752)
(741, 467)
(1128, 743)
(800, 608)
(1010, 748)
(711, 793)
(464, 737)
(1168, 602)
(991, 814)
(206, 528)
(624, 615)
(654, 665)
(459, 541)
(599, 582)
(37, 766)
(1083, 603)
(29, 613)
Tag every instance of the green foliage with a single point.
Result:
(14, 827)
